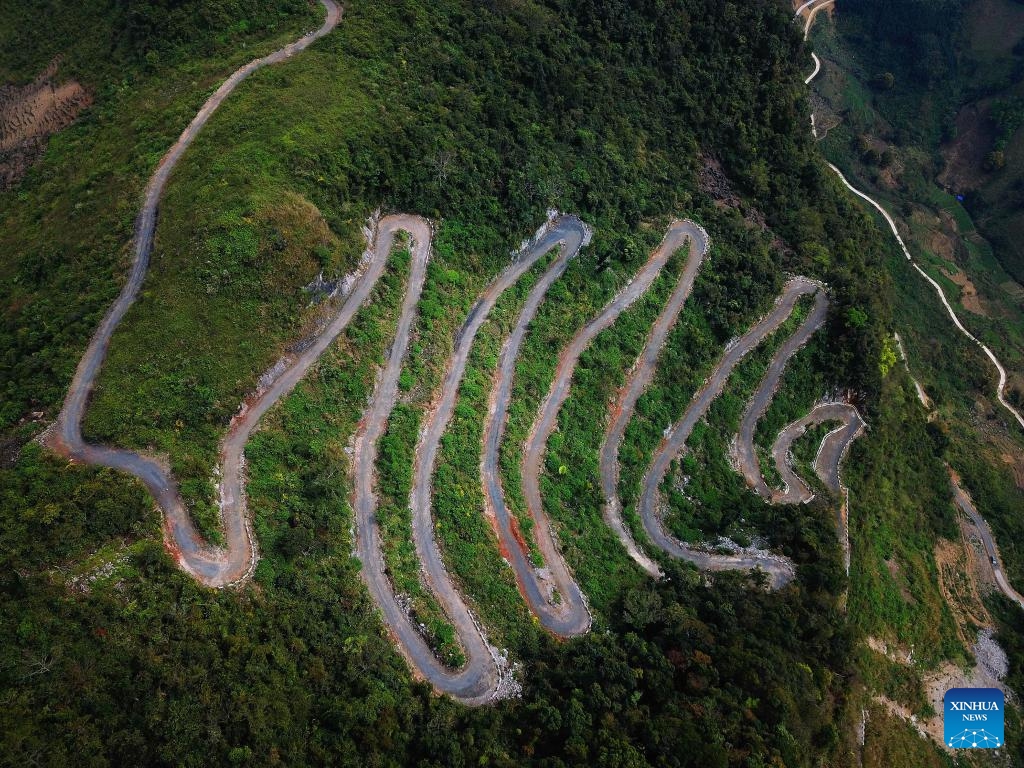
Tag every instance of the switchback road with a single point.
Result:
(779, 569)
(213, 567)
(639, 378)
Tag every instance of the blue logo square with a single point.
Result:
(973, 718)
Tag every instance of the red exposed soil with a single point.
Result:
(968, 293)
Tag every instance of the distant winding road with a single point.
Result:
(960, 496)
(812, 10)
(213, 567)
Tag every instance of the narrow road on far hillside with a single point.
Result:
(960, 496)
(213, 567)
(1001, 383)
(1000, 370)
(963, 500)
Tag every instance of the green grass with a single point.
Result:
(579, 295)
(471, 549)
(573, 498)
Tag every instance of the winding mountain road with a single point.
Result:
(779, 569)
(553, 594)
(211, 566)
(960, 496)
(640, 377)
(746, 454)
(1000, 370)
(482, 677)
(831, 451)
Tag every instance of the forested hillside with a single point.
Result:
(480, 117)
(914, 102)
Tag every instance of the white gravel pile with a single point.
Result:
(990, 656)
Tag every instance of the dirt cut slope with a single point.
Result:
(30, 114)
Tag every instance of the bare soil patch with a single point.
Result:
(965, 155)
(958, 581)
(968, 293)
(712, 180)
(30, 114)
(1016, 466)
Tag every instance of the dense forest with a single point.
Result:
(481, 117)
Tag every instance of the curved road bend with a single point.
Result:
(213, 567)
(578, 619)
(812, 7)
(636, 384)
(827, 463)
(478, 681)
(815, 71)
(746, 454)
(475, 683)
(571, 615)
(963, 500)
(779, 569)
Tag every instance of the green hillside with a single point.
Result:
(481, 117)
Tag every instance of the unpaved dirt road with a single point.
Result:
(213, 567)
